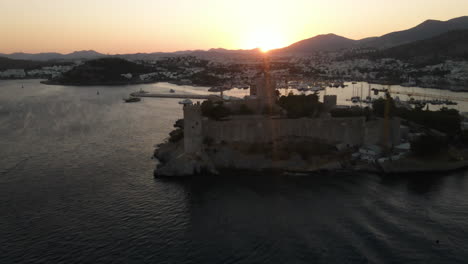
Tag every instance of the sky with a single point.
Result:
(131, 26)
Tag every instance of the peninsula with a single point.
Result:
(300, 134)
(104, 71)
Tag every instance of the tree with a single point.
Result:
(298, 106)
(379, 106)
(215, 111)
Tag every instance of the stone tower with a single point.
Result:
(193, 133)
(264, 89)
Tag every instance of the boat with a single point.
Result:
(377, 91)
(303, 87)
(132, 99)
(293, 84)
(316, 88)
(355, 99)
(448, 102)
(186, 102)
(368, 100)
(142, 91)
(172, 91)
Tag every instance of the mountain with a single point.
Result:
(425, 30)
(450, 45)
(332, 42)
(329, 42)
(85, 54)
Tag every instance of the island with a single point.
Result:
(300, 134)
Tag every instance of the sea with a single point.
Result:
(77, 186)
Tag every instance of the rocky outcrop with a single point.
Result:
(174, 162)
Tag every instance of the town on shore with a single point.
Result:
(295, 132)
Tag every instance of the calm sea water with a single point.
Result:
(77, 186)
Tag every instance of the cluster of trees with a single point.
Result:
(429, 145)
(444, 120)
(214, 110)
(298, 106)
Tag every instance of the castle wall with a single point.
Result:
(250, 130)
(257, 128)
(375, 132)
(193, 132)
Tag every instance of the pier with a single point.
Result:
(174, 96)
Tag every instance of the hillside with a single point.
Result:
(103, 71)
(329, 42)
(451, 45)
(85, 54)
(425, 30)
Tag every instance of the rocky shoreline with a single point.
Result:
(173, 163)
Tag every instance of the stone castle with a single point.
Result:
(255, 128)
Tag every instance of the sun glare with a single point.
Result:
(266, 40)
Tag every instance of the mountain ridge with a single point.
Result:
(324, 42)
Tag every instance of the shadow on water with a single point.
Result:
(340, 218)
(259, 217)
(421, 183)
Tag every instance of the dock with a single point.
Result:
(174, 96)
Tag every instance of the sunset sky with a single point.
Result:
(124, 26)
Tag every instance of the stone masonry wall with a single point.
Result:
(256, 128)
(333, 130)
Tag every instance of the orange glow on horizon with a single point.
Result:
(124, 26)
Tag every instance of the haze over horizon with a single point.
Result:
(120, 26)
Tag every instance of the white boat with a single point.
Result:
(316, 88)
(293, 84)
(303, 87)
(355, 99)
(186, 102)
(132, 99)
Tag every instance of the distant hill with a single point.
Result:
(107, 71)
(329, 42)
(332, 42)
(451, 45)
(425, 30)
(6, 63)
(85, 54)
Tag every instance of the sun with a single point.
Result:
(265, 39)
